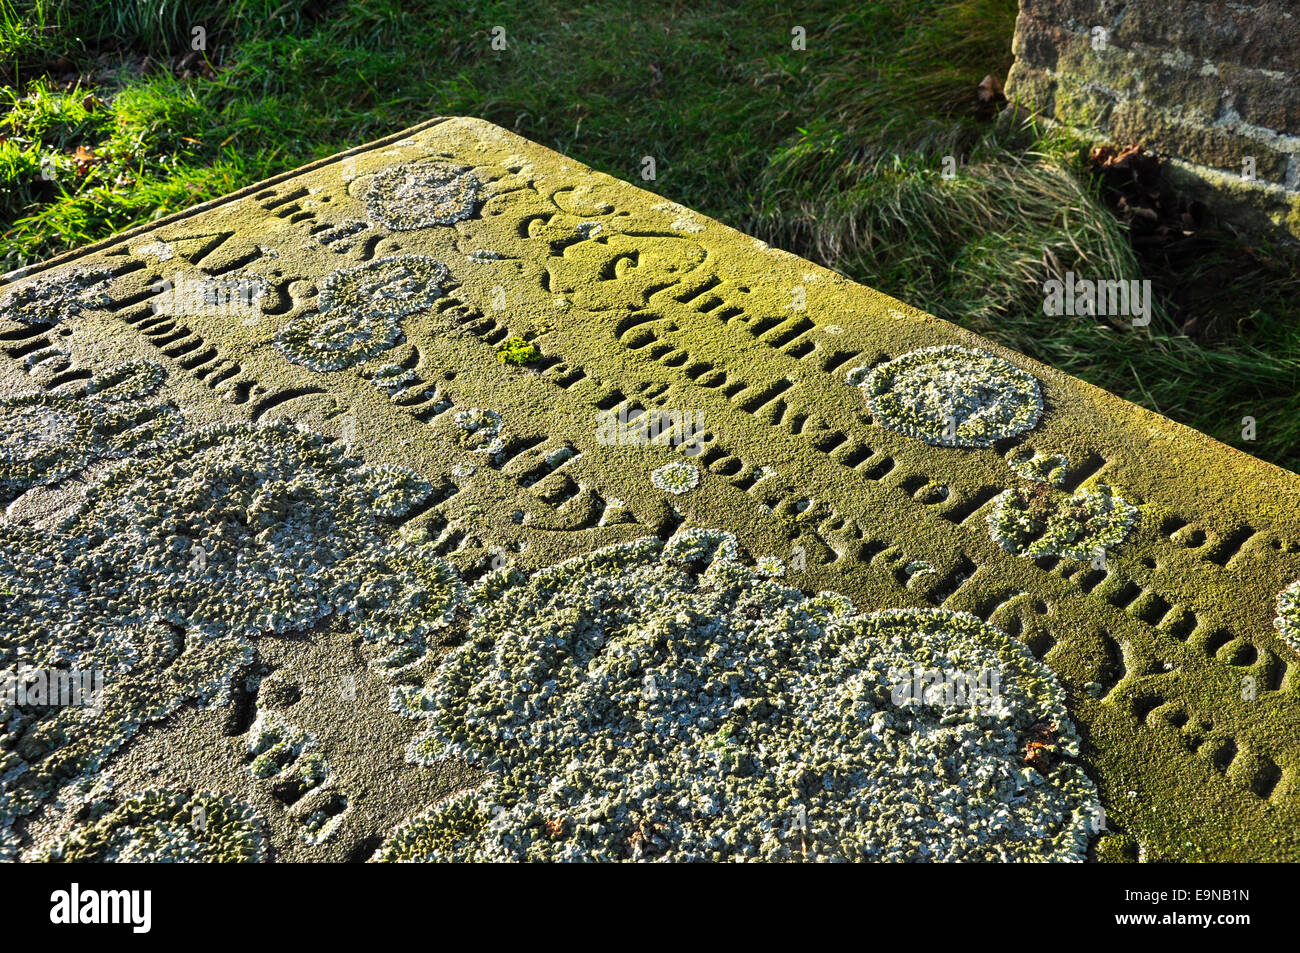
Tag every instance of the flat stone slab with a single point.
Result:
(448, 459)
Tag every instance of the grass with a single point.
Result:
(836, 152)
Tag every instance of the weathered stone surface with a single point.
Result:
(330, 547)
(1213, 85)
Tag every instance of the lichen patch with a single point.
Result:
(50, 300)
(1287, 621)
(666, 701)
(951, 396)
(423, 195)
(1041, 521)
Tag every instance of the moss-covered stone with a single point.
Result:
(479, 430)
(1211, 86)
(360, 491)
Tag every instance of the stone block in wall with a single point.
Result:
(1213, 86)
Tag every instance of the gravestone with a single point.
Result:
(447, 498)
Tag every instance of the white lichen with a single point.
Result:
(1287, 621)
(55, 297)
(167, 826)
(45, 438)
(663, 701)
(422, 195)
(951, 396)
(1042, 521)
(334, 340)
(479, 430)
(397, 285)
(1050, 468)
(677, 477)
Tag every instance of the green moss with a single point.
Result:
(1116, 848)
(517, 352)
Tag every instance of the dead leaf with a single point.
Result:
(1042, 746)
(989, 89)
(85, 158)
(989, 97)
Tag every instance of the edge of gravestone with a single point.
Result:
(1141, 415)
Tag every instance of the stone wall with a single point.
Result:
(1211, 84)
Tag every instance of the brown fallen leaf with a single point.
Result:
(989, 97)
(85, 158)
(1042, 746)
(989, 89)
